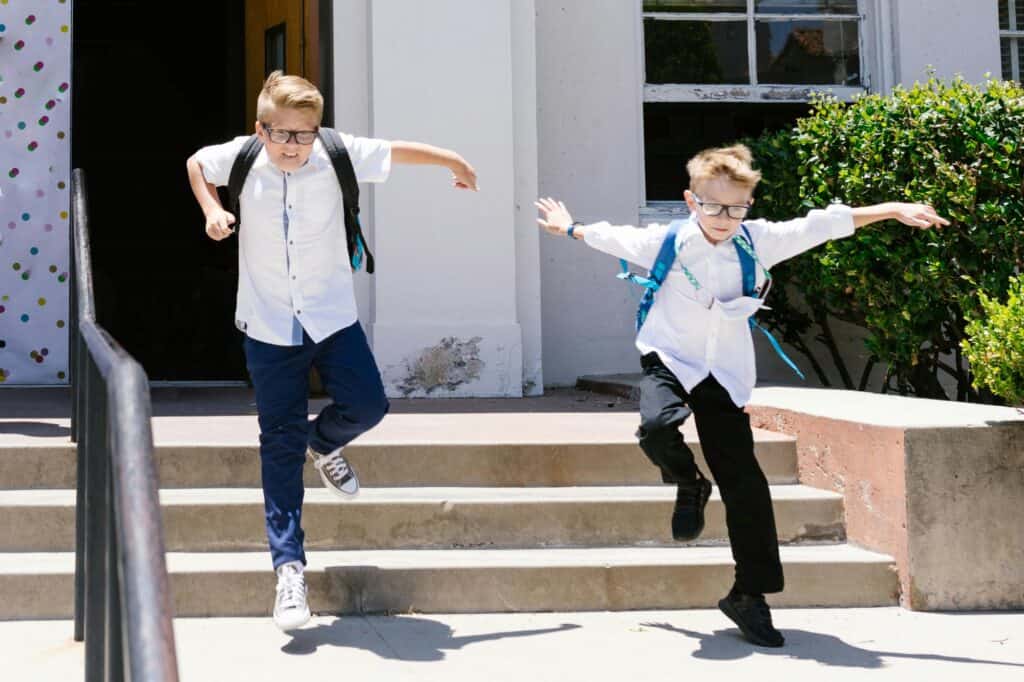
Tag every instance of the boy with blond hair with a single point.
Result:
(296, 304)
(697, 353)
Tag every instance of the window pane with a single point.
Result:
(690, 6)
(806, 6)
(1006, 46)
(274, 50)
(808, 52)
(696, 51)
(1004, 15)
(674, 133)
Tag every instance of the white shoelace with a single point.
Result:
(336, 465)
(291, 590)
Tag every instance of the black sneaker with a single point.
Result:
(752, 616)
(688, 515)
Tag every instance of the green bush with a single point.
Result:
(953, 145)
(995, 344)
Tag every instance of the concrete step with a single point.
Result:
(537, 449)
(36, 586)
(227, 519)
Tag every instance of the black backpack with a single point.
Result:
(335, 148)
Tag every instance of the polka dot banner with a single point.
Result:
(35, 157)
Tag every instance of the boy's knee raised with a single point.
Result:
(373, 410)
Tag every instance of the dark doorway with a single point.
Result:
(154, 82)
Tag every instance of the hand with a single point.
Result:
(556, 218)
(218, 224)
(918, 215)
(464, 176)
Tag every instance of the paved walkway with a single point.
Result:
(822, 644)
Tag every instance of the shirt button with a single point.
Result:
(293, 276)
(289, 206)
(298, 312)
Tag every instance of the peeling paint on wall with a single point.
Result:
(448, 365)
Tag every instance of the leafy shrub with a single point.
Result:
(953, 145)
(995, 344)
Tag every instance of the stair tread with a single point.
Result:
(49, 563)
(423, 495)
(547, 428)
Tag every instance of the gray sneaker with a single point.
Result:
(336, 473)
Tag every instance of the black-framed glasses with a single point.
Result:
(282, 136)
(713, 209)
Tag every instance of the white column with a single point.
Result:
(445, 292)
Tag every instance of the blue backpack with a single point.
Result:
(667, 256)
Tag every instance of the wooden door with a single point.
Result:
(281, 34)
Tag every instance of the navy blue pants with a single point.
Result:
(280, 375)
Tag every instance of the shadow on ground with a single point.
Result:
(422, 639)
(829, 650)
(37, 429)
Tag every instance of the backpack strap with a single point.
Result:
(239, 172)
(748, 264)
(659, 271)
(342, 163)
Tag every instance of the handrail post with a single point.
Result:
(80, 387)
(115, 629)
(97, 476)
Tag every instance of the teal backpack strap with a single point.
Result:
(748, 262)
(659, 271)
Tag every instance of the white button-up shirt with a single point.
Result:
(293, 263)
(696, 331)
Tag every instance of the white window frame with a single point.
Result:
(1015, 33)
(754, 92)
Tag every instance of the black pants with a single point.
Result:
(728, 445)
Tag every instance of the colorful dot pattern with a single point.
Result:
(35, 98)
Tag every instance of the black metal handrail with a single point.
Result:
(122, 594)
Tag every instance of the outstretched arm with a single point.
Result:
(633, 244)
(781, 241)
(463, 174)
(915, 215)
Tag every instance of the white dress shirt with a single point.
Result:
(293, 263)
(697, 332)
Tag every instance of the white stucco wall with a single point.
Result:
(589, 89)
(955, 37)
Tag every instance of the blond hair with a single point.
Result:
(733, 163)
(288, 92)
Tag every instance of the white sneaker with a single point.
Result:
(291, 611)
(337, 474)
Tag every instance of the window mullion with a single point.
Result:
(695, 16)
(1015, 59)
(751, 43)
(808, 17)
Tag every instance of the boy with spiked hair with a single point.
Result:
(697, 353)
(296, 304)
